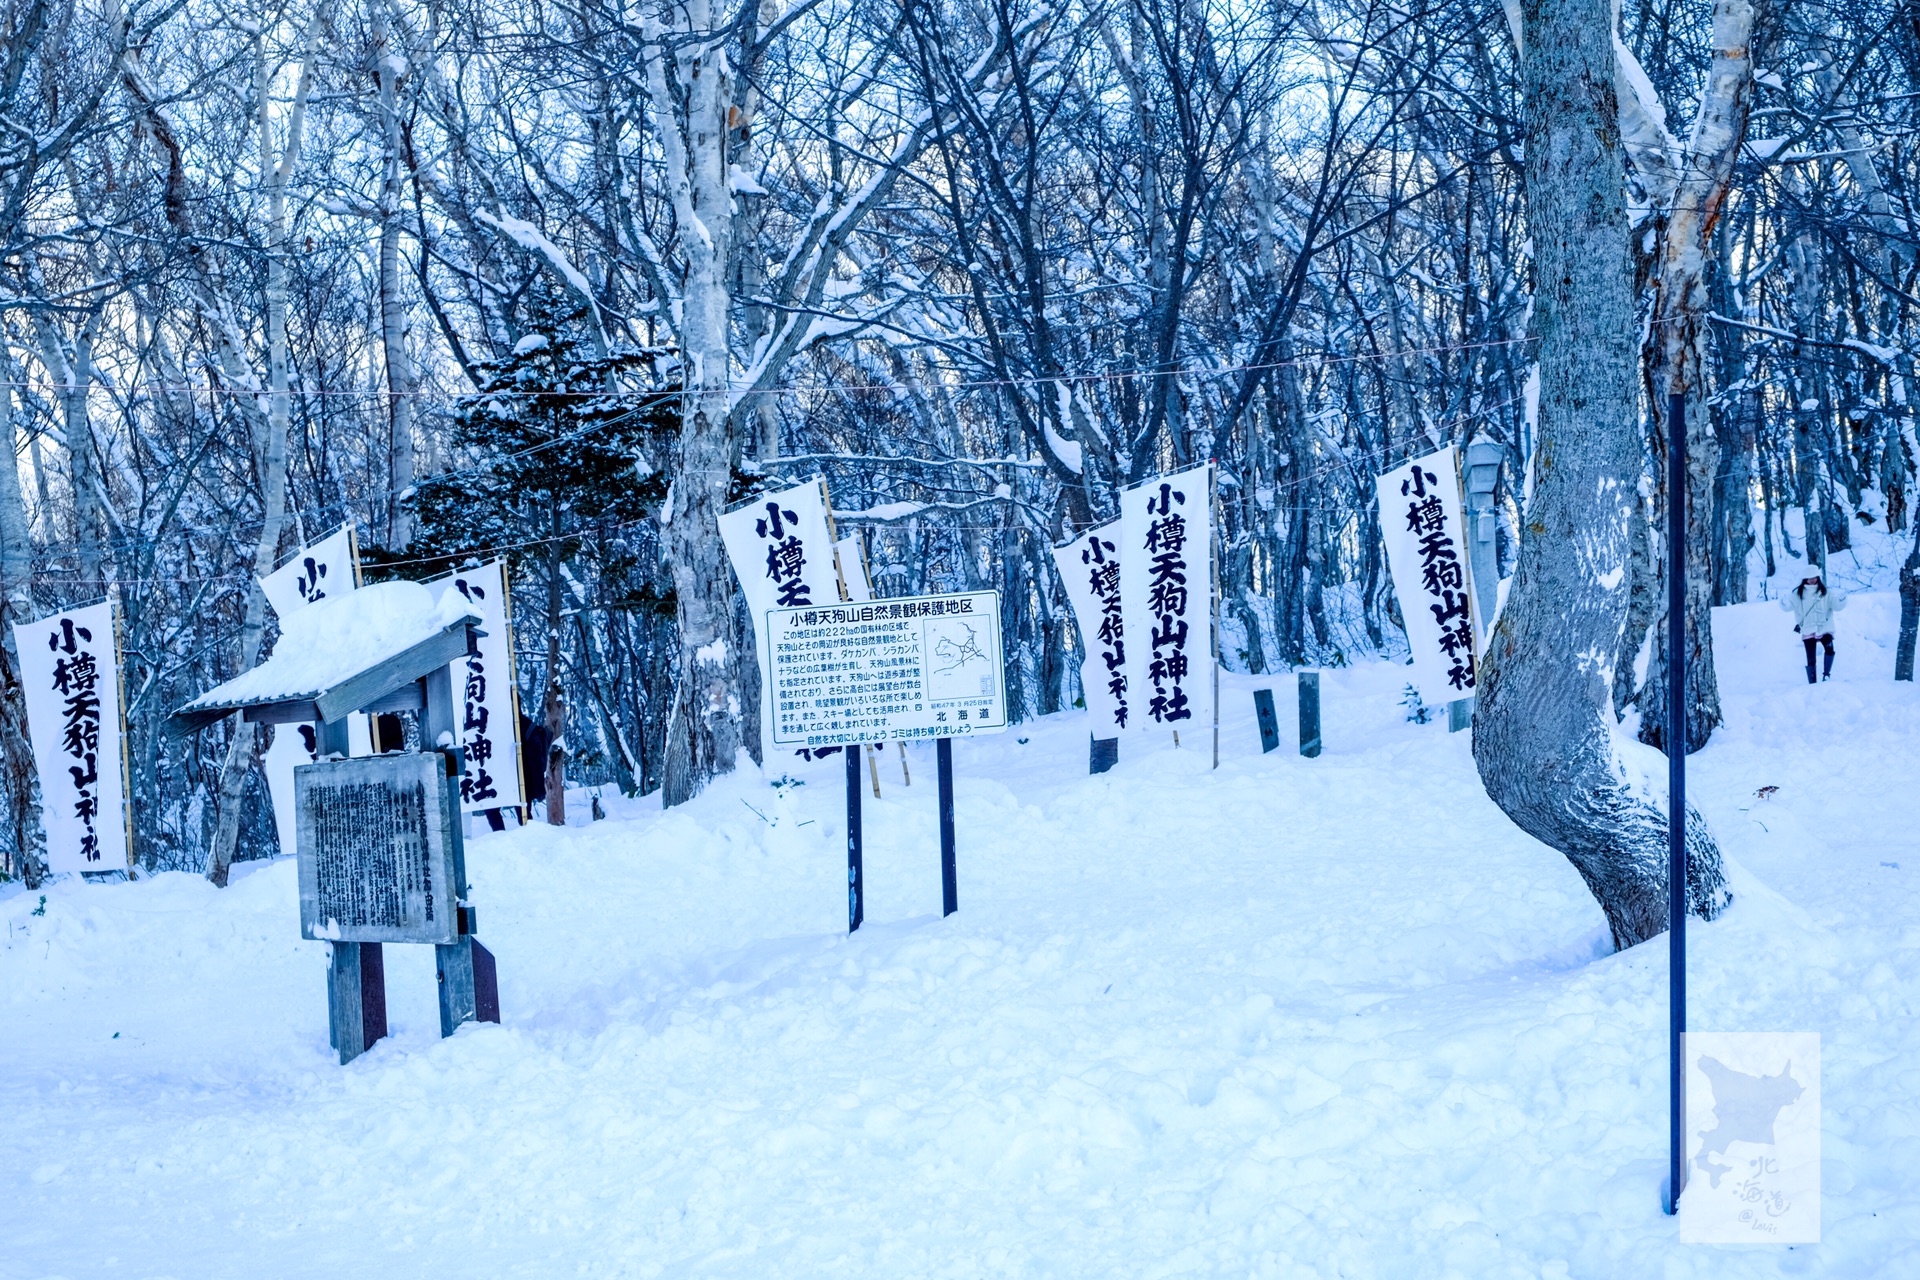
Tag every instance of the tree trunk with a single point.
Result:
(244, 748)
(393, 312)
(1679, 334)
(1909, 610)
(19, 782)
(1543, 739)
(706, 735)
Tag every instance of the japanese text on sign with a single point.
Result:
(71, 688)
(1420, 521)
(927, 667)
(375, 849)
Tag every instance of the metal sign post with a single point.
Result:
(888, 670)
(1676, 793)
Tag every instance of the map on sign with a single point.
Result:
(1753, 1139)
(924, 667)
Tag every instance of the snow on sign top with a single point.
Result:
(329, 643)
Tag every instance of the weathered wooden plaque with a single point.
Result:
(376, 850)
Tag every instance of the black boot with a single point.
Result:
(1811, 678)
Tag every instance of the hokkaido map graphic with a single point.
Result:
(1753, 1130)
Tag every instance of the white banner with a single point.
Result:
(1420, 521)
(326, 568)
(483, 682)
(782, 552)
(925, 667)
(1166, 600)
(853, 568)
(70, 676)
(1090, 566)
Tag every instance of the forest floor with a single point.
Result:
(1332, 1017)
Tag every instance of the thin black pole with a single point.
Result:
(949, 881)
(856, 891)
(1676, 787)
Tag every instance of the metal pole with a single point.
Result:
(949, 878)
(856, 892)
(1676, 790)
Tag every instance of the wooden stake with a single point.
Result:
(873, 767)
(906, 779)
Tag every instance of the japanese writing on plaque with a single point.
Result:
(1442, 576)
(71, 688)
(1165, 547)
(76, 678)
(375, 849)
(1103, 581)
(476, 723)
(922, 668)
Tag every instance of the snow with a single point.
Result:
(530, 343)
(1332, 1017)
(337, 638)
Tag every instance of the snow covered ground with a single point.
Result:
(1329, 1017)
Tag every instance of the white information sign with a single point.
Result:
(782, 552)
(1166, 597)
(924, 667)
(1752, 1138)
(326, 568)
(483, 681)
(1090, 566)
(70, 676)
(1420, 521)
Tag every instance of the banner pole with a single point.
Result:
(1213, 545)
(949, 877)
(856, 891)
(1676, 792)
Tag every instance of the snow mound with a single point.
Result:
(339, 637)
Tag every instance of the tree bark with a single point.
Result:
(691, 119)
(18, 778)
(1681, 305)
(243, 749)
(393, 310)
(1544, 740)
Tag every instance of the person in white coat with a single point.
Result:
(1812, 606)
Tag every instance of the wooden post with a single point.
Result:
(356, 998)
(1309, 713)
(1269, 720)
(452, 961)
(1459, 715)
(873, 767)
(1102, 754)
(1213, 579)
(906, 779)
(949, 877)
(856, 892)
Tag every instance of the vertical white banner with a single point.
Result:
(326, 568)
(853, 568)
(1166, 600)
(69, 673)
(782, 552)
(1420, 521)
(483, 682)
(316, 572)
(1090, 566)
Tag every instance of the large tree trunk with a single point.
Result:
(1543, 737)
(707, 733)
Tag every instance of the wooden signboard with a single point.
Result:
(377, 850)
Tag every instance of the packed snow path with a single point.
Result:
(1333, 1017)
